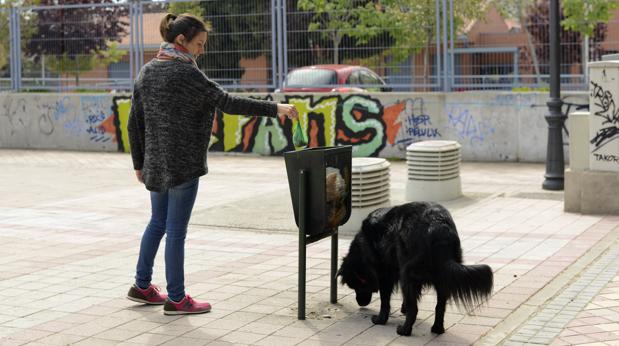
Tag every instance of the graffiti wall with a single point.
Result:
(63, 121)
(491, 126)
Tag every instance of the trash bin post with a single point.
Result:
(334, 267)
(302, 241)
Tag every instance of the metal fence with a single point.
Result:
(5, 50)
(256, 43)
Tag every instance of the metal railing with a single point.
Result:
(256, 43)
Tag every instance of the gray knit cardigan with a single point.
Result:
(171, 117)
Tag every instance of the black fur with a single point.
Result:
(417, 245)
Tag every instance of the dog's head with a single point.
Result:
(358, 273)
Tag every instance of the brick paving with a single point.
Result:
(70, 225)
(563, 309)
(598, 322)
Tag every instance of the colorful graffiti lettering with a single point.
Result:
(232, 133)
(328, 121)
(121, 105)
(361, 121)
(320, 118)
(355, 120)
(361, 125)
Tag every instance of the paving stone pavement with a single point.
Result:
(563, 309)
(70, 225)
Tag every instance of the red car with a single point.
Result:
(333, 78)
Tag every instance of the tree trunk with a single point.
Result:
(533, 54)
(523, 22)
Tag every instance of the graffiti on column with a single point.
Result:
(606, 109)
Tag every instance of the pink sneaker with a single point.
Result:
(150, 295)
(185, 306)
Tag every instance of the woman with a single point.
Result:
(169, 131)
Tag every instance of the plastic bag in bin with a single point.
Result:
(299, 139)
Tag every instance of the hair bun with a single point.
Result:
(166, 24)
(186, 24)
(170, 18)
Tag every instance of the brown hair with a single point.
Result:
(186, 24)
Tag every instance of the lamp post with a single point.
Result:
(555, 166)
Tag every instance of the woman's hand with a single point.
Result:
(138, 174)
(287, 110)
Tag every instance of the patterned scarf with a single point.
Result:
(169, 51)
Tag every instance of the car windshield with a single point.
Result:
(310, 77)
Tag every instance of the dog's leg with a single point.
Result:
(403, 308)
(385, 307)
(439, 313)
(412, 292)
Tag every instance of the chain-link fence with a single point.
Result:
(404, 53)
(255, 44)
(519, 57)
(241, 49)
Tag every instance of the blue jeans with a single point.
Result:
(170, 215)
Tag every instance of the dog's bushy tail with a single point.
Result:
(467, 285)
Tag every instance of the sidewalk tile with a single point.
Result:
(278, 340)
(151, 339)
(238, 337)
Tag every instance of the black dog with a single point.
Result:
(417, 245)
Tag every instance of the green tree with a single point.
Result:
(418, 17)
(76, 39)
(5, 48)
(240, 29)
(27, 27)
(408, 25)
(76, 65)
(584, 16)
(313, 47)
(187, 7)
(539, 18)
(340, 18)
